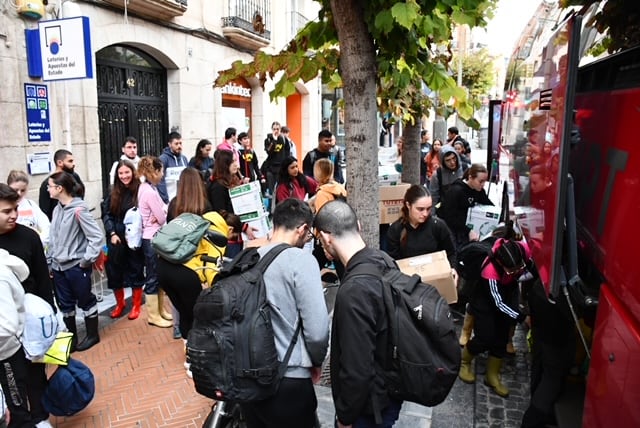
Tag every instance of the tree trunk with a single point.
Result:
(411, 158)
(358, 71)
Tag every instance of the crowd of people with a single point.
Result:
(59, 240)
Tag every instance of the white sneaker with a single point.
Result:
(189, 374)
(44, 424)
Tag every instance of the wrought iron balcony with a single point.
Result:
(248, 23)
(160, 9)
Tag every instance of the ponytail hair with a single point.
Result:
(412, 194)
(474, 170)
(67, 182)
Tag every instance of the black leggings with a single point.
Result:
(491, 332)
(183, 287)
(23, 383)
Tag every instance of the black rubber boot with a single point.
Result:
(92, 338)
(70, 322)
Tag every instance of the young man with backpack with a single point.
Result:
(359, 332)
(294, 291)
(377, 362)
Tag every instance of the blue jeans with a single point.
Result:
(389, 415)
(151, 267)
(73, 287)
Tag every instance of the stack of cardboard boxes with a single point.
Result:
(247, 204)
(391, 197)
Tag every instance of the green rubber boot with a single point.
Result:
(492, 378)
(466, 371)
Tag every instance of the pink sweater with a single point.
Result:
(152, 209)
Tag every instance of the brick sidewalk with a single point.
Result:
(140, 380)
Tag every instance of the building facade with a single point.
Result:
(153, 65)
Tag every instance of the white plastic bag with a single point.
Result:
(133, 228)
(40, 326)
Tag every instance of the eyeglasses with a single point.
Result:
(52, 186)
(308, 233)
(275, 129)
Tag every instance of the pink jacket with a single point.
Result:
(225, 145)
(152, 209)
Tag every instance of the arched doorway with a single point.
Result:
(132, 101)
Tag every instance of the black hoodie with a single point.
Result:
(359, 337)
(461, 197)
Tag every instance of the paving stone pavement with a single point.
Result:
(140, 382)
(479, 407)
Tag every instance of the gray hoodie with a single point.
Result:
(75, 238)
(294, 291)
(12, 271)
(448, 176)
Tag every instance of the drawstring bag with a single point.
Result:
(71, 388)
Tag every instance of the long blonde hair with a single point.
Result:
(150, 167)
(323, 171)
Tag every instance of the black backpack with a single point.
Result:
(472, 258)
(231, 344)
(423, 354)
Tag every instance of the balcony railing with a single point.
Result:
(160, 9)
(248, 23)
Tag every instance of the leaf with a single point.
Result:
(309, 70)
(405, 13)
(384, 21)
(461, 18)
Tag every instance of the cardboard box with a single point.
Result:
(434, 269)
(247, 198)
(529, 219)
(387, 175)
(483, 219)
(259, 221)
(391, 198)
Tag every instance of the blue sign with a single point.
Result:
(36, 99)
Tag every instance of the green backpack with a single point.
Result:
(177, 241)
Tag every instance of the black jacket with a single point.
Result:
(277, 151)
(431, 236)
(461, 197)
(218, 196)
(113, 222)
(249, 164)
(24, 242)
(359, 337)
(315, 154)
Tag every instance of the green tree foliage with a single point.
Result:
(478, 74)
(380, 52)
(618, 19)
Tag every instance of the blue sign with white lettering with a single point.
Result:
(36, 99)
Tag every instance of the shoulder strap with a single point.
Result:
(263, 264)
(271, 255)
